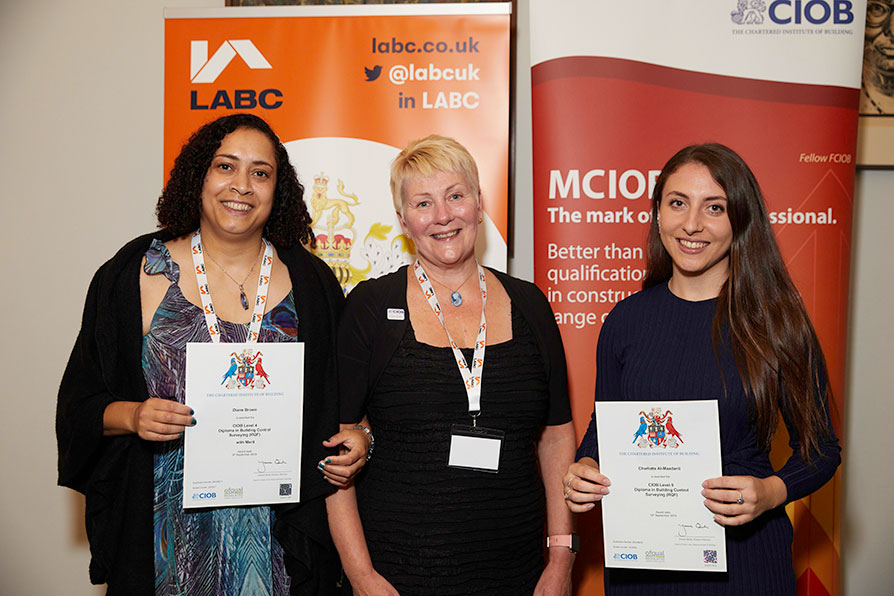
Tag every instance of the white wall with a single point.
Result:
(81, 119)
(81, 163)
(867, 520)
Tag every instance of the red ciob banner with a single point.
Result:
(614, 99)
(345, 87)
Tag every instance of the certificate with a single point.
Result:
(246, 446)
(657, 454)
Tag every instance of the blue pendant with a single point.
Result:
(243, 299)
(456, 298)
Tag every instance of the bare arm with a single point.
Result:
(556, 452)
(347, 534)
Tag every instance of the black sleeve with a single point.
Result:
(608, 380)
(96, 375)
(559, 404)
(539, 315)
(802, 478)
(355, 343)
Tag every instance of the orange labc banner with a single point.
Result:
(345, 87)
(617, 89)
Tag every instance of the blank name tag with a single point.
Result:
(475, 448)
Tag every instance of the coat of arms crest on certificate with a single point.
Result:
(656, 429)
(246, 370)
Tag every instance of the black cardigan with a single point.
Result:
(366, 323)
(116, 473)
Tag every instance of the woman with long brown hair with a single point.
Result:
(719, 318)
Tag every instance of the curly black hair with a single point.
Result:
(179, 206)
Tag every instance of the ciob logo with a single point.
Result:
(625, 556)
(794, 12)
(203, 70)
(203, 496)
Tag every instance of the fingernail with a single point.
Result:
(320, 466)
(328, 460)
(703, 494)
(191, 411)
(590, 506)
(193, 423)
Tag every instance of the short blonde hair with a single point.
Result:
(424, 157)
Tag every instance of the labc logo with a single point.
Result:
(203, 70)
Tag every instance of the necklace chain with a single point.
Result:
(456, 298)
(242, 296)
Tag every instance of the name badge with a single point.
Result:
(475, 448)
(395, 314)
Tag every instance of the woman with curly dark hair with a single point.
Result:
(233, 197)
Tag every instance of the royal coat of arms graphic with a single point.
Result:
(333, 222)
(246, 370)
(656, 429)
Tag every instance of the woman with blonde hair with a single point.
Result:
(461, 373)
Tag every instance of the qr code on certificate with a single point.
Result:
(285, 490)
(711, 556)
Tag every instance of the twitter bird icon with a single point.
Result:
(373, 73)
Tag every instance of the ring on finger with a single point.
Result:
(566, 495)
(568, 484)
(740, 500)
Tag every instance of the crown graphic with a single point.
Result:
(321, 179)
(339, 248)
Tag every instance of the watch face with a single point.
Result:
(575, 543)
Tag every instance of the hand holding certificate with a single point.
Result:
(246, 450)
(655, 517)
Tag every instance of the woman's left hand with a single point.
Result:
(353, 446)
(737, 500)
(555, 579)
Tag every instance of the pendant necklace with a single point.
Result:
(456, 299)
(242, 296)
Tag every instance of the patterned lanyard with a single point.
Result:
(471, 378)
(254, 328)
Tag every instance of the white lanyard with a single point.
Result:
(472, 378)
(254, 328)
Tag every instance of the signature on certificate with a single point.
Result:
(684, 529)
(262, 465)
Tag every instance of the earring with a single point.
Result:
(480, 220)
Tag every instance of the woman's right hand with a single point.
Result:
(153, 420)
(372, 584)
(584, 485)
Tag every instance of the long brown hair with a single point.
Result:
(772, 339)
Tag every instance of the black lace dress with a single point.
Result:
(436, 530)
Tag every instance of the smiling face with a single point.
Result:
(694, 225)
(237, 195)
(440, 214)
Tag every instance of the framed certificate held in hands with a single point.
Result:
(246, 447)
(657, 454)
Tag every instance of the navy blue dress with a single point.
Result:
(656, 346)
